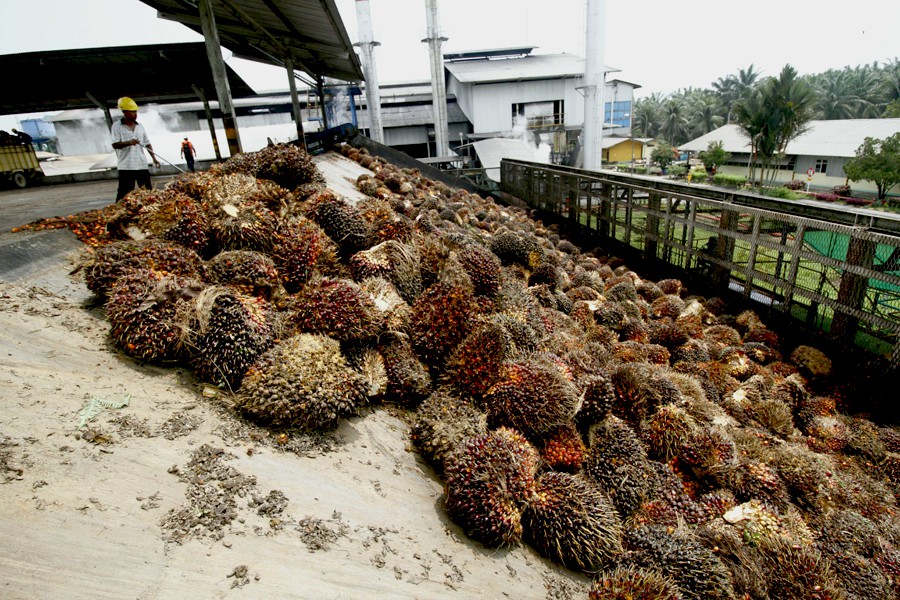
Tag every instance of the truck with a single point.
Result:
(18, 163)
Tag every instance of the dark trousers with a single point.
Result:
(189, 159)
(129, 179)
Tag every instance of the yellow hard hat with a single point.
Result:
(126, 103)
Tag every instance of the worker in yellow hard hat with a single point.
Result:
(129, 138)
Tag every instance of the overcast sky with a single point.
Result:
(660, 45)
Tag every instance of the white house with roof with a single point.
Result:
(503, 90)
(822, 150)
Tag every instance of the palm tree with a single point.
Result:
(772, 115)
(705, 111)
(732, 88)
(674, 123)
(647, 115)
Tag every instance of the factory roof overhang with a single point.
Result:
(308, 32)
(64, 79)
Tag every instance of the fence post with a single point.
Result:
(651, 234)
(721, 276)
(852, 291)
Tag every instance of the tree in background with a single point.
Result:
(892, 110)
(773, 114)
(663, 155)
(713, 157)
(732, 88)
(877, 161)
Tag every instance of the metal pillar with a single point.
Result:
(209, 121)
(438, 85)
(295, 101)
(102, 107)
(592, 133)
(223, 90)
(373, 94)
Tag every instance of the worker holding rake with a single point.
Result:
(129, 138)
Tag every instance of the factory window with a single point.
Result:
(538, 114)
(618, 113)
(821, 165)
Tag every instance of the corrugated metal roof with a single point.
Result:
(60, 79)
(310, 32)
(540, 66)
(823, 138)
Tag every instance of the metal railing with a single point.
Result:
(835, 269)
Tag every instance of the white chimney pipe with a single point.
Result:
(367, 45)
(438, 86)
(594, 83)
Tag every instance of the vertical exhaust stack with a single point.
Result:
(592, 133)
(438, 86)
(367, 45)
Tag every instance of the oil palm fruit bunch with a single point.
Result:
(441, 423)
(639, 391)
(243, 225)
(695, 569)
(105, 264)
(489, 482)
(441, 318)
(474, 365)
(482, 266)
(287, 165)
(302, 251)
(338, 308)
(618, 462)
(631, 583)
(571, 522)
(666, 431)
(812, 362)
(519, 249)
(142, 310)
(408, 380)
(121, 222)
(282, 202)
(671, 489)
(385, 223)
(797, 571)
(302, 382)
(394, 309)
(340, 220)
(194, 185)
(393, 260)
(598, 398)
(563, 449)
(531, 396)
(225, 331)
(248, 271)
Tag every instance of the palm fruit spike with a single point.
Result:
(338, 308)
(666, 431)
(440, 425)
(631, 583)
(572, 522)
(483, 268)
(598, 398)
(531, 396)
(563, 448)
(474, 365)
(108, 262)
(302, 382)
(489, 483)
(303, 251)
(142, 310)
(408, 381)
(242, 225)
(441, 318)
(618, 462)
(245, 269)
(393, 260)
(695, 569)
(342, 221)
(225, 333)
(287, 165)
